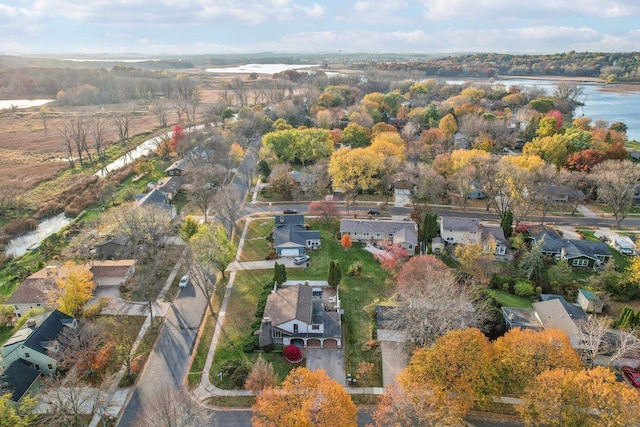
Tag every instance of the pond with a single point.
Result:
(21, 244)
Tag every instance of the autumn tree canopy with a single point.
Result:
(306, 398)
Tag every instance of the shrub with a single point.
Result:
(292, 353)
(524, 288)
(236, 370)
(272, 255)
(355, 269)
(20, 226)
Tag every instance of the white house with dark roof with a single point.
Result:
(382, 232)
(177, 168)
(156, 199)
(302, 315)
(577, 253)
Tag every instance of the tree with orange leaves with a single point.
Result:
(523, 354)
(305, 399)
(589, 398)
(442, 383)
(346, 241)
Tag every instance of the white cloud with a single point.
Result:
(506, 10)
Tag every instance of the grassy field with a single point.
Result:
(509, 300)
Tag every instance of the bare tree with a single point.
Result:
(615, 181)
(203, 181)
(143, 228)
(98, 126)
(161, 111)
(200, 275)
(228, 202)
(170, 407)
(123, 121)
(70, 399)
(600, 341)
(67, 138)
(163, 146)
(430, 301)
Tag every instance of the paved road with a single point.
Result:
(168, 362)
(482, 215)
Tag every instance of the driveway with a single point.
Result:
(329, 359)
(262, 265)
(117, 306)
(393, 361)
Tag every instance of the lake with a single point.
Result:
(22, 103)
(258, 68)
(610, 102)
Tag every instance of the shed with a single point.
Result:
(437, 245)
(590, 302)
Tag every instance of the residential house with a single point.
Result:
(291, 237)
(476, 192)
(382, 232)
(20, 379)
(35, 290)
(170, 186)
(556, 313)
(553, 312)
(456, 230)
(304, 180)
(38, 343)
(301, 315)
(437, 245)
(177, 168)
(590, 302)
(552, 193)
(577, 253)
(523, 318)
(158, 199)
(111, 248)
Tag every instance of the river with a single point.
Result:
(21, 244)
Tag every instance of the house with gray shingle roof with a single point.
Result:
(455, 231)
(291, 237)
(577, 253)
(297, 314)
(158, 199)
(382, 232)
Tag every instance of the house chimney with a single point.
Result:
(31, 323)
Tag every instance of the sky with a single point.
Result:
(244, 26)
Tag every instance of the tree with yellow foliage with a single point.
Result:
(354, 169)
(586, 398)
(530, 163)
(477, 259)
(76, 287)
(523, 354)
(305, 399)
(462, 158)
(448, 125)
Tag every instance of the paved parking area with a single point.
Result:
(329, 359)
(393, 361)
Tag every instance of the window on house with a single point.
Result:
(19, 315)
(50, 366)
(580, 263)
(410, 246)
(378, 234)
(295, 328)
(276, 334)
(366, 234)
(27, 355)
(38, 305)
(390, 234)
(315, 327)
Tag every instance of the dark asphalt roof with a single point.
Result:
(19, 377)
(48, 331)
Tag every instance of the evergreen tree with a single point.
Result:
(507, 223)
(279, 273)
(531, 264)
(430, 227)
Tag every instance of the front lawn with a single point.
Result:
(256, 247)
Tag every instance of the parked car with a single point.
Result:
(287, 211)
(632, 375)
(301, 259)
(184, 281)
(373, 212)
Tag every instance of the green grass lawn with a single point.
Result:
(255, 246)
(509, 300)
